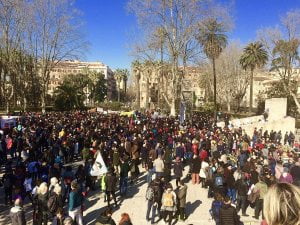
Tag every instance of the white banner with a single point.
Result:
(99, 168)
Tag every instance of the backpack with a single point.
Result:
(51, 204)
(218, 181)
(150, 194)
(168, 200)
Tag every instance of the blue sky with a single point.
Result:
(109, 27)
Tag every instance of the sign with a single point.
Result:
(99, 168)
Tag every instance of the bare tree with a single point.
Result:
(55, 37)
(232, 80)
(176, 21)
(283, 43)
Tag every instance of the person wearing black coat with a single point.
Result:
(178, 169)
(196, 166)
(228, 214)
(105, 218)
(110, 184)
(242, 190)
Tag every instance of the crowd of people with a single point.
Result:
(239, 170)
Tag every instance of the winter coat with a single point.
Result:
(104, 220)
(110, 182)
(181, 195)
(17, 216)
(42, 200)
(178, 168)
(196, 165)
(158, 164)
(75, 200)
(228, 215)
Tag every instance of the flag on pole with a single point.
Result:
(99, 168)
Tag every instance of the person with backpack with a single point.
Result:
(168, 204)
(219, 182)
(153, 197)
(55, 200)
(215, 208)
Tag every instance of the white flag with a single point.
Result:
(99, 168)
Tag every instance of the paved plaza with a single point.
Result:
(135, 205)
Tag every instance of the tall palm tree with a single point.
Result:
(136, 67)
(119, 77)
(213, 40)
(254, 56)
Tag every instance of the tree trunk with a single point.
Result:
(43, 101)
(138, 95)
(228, 106)
(147, 94)
(24, 104)
(251, 91)
(119, 93)
(215, 89)
(173, 107)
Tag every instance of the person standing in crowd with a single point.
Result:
(181, 200)
(125, 219)
(41, 200)
(282, 205)
(110, 185)
(8, 181)
(242, 190)
(159, 166)
(228, 214)
(295, 172)
(55, 200)
(261, 187)
(150, 169)
(153, 197)
(59, 217)
(215, 208)
(178, 169)
(75, 203)
(124, 170)
(17, 214)
(168, 204)
(196, 166)
(286, 177)
(105, 218)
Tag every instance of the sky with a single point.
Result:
(108, 26)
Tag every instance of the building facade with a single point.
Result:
(70, 67)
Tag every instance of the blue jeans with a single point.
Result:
(154, 207)
(231, 192)
(123, 185)
(149, 175)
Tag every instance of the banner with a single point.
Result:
(99, 168)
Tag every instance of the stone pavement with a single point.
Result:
(135, 205)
